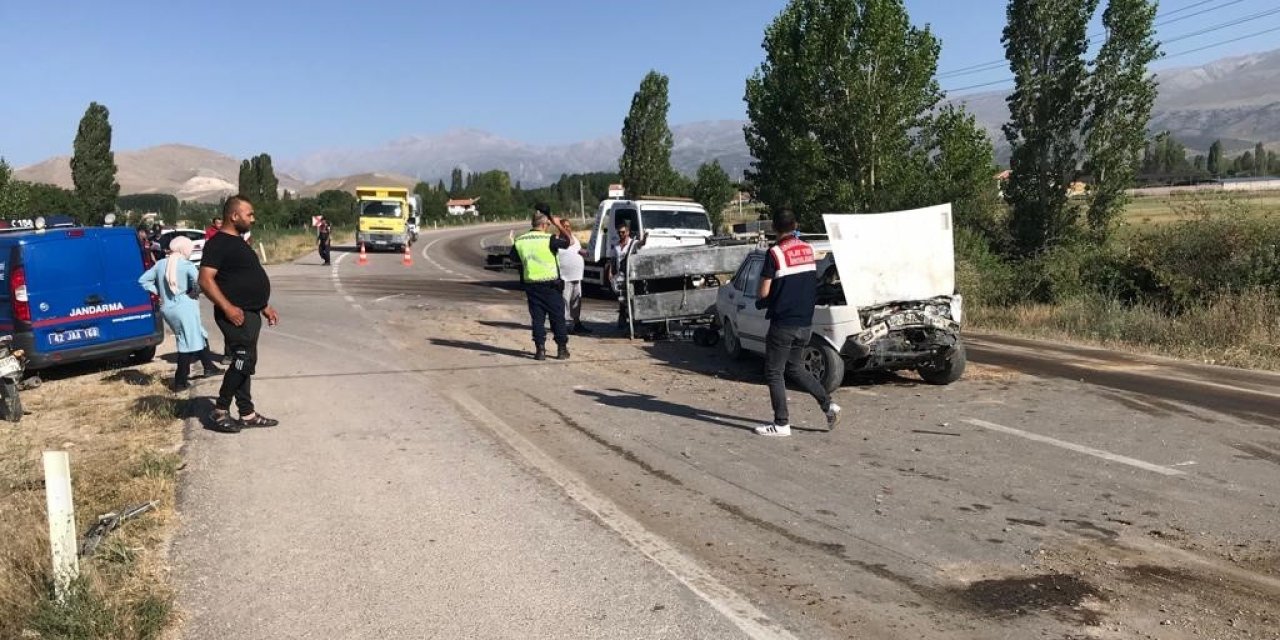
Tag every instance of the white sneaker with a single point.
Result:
(833, 415)
(775, 430)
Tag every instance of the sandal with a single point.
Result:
(258, 420)
(222, 421)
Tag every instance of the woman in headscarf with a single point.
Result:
(174, 278)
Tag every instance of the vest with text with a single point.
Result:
(794, 290)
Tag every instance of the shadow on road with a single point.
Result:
(480, 346)
(714, 362)
(652, 404)
(503, 324)
(200, 408)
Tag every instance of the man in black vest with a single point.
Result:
(789, 290)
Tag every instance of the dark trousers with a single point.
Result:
(242, 346)
(324, 250)
(783, 350)
(546, 302)
(184, 364)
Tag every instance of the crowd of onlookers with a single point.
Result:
(154, 240)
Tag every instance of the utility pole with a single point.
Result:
(742, 176)
(582, 203)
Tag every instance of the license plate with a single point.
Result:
(9, 365)
(74, 335)
(904, 319)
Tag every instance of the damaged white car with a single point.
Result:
(886, 299)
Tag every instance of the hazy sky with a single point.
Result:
(244, 76)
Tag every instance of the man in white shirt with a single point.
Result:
(618, 253)
(571, 268)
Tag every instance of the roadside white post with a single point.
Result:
(62, 520)
(263, 250)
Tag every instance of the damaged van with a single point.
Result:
(886, 299)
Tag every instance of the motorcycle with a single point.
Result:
(13, 365)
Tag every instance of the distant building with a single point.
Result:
(1076, 188)
(462, 207)
(1261, 183)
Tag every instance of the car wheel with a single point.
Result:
(822, 360)
(143, 356)
(946, 369)
(705, 337)
(732, 343)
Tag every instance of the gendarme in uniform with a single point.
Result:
(540, 272)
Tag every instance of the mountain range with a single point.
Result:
(1236, 100)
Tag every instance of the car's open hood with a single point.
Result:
(902, 255)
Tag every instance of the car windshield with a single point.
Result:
(659, 219)
(379, 209)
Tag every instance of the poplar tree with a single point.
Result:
(268, 184)
(646, 139)
(93, 166)
(837, 109)
(248, 184)
(1045, 42)
(713, 190)
(456, 186)
(1215, 158)
(1123, 94)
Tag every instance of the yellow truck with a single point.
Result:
(384, 218)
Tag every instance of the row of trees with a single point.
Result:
(846, 114)
(1165, 161)
(1259, 162)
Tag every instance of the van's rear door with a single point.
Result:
(74, 280)
(63, 271)
(121, 266)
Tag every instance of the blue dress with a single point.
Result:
(180, 309)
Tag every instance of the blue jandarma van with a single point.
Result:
(71, 294)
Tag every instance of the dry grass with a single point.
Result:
(122, 431)
(1172, 208)
(1241, 330)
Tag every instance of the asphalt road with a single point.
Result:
(431, 480)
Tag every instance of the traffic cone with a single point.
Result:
(408, 256)
(364, 257)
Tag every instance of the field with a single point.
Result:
(1144, 210)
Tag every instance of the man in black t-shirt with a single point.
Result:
(234, 280)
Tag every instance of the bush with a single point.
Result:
(1079, 268)
(982, 276)
(1194, 261)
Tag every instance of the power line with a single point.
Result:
(1198, 13)
(978, 86)
(1172, 55)
(1224, 42)
(1224, 25)
(1188, 7)
(1186, 36)
(996, 64)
